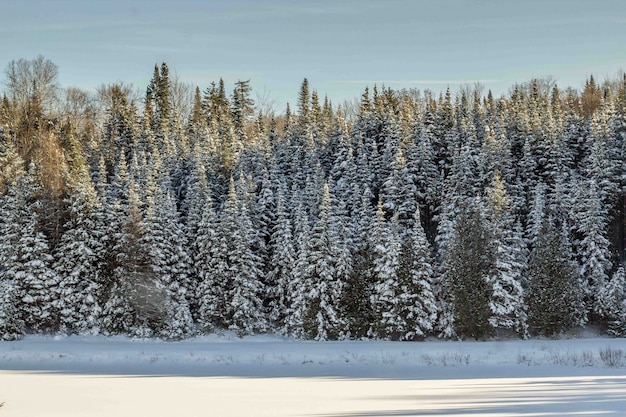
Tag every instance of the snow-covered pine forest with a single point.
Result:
(401, 216)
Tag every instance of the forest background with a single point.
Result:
(401, 215)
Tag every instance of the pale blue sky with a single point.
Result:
(340, 45)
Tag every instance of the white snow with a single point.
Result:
(273, 376)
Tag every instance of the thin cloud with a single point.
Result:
(420, 82)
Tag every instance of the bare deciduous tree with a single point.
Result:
(26, 78)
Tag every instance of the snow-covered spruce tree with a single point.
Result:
(553, 297)
(399, 193)
(421, 163)
(323, 318)
(245, 297)
(283, 258)
(164, 242)
(592, 246)
(299, 287)
(231, 288)
(210, 267)
(537, 214)
(11, 169)
(416, 274)
(27, 259)
(611, 303)
(342, 257)
(134, 305)
(357, 306)
(78, 260)
(386, 243)
(507, 301)
(460, 195)
(195, 201)
(469, 263)
(11, 323)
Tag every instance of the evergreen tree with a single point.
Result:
(164, 242)
(11, 164)
(27, 259)
(245, 299)
(416, 303)
(282, 263)
(387, 245)
(551, 271)
(469, 265)
(242, 107)
(612, 303)
(299, 288)
(11, 323)
(507, 302)
(592, 246)
(78, 261)
(210, 268)
(323, 318)
(359, 288)
(134, 303)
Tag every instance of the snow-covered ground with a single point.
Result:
(272, 376)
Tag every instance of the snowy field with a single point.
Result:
(272, 376)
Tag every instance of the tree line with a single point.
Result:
(407, 216)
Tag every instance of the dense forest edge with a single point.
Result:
(402, 215)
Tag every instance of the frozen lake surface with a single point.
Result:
(272, 376)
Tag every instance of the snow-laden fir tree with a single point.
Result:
(399, 193)
(507, 300)
(299, 288)
(356, 304)
(210, 268)
(165, 244)
(416, 302)
(323, 319)
(611, 303)
(11, 323)
(246, 296)
(554, 298)
(79, 258)
(593, 248)
(386, 243)
(231, 288)
(27, 259)
(133, 306)
(282, 263)
(469, 264)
